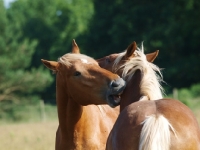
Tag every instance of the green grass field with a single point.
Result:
(40, 135)
(197, 115)
(30, 136)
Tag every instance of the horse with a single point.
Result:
(147, 121)
(82, 89)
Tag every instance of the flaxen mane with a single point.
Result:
(150, 84)
(153, 126)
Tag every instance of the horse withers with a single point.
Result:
(147, 121)
(82, 89)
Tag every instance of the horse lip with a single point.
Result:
(112, 92)
(110, 97)
(111, 101)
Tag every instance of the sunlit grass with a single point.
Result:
(30, 136)
(196, 108)
(197, 115)
(41, 135)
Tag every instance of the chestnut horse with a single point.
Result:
(80, 82)
(147, 121)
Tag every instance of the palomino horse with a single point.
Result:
(81, 82)
(147, 121)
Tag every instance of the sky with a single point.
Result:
(6, 3)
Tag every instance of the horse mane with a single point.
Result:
(152, 76)
(67, 59)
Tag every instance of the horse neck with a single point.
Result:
(77, 122)
(70, 114)
(132, 92)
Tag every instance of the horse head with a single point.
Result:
(82, 79)
(115, 62)
(134, 65)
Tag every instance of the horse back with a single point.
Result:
(184, 130)
(182, 119)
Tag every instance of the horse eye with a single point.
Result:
(108, 60)
(77, 73)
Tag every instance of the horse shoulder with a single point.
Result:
(95, 130)
(128, 125)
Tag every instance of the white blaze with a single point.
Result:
(84, 61)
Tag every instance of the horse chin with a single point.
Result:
(113, 96)
(113, 100)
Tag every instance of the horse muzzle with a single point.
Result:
(116, 88)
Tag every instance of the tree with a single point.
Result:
(17, 81)
(52, 24)
(170, 26)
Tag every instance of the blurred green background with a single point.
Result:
(35, 29)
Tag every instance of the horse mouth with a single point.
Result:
(114, 99)
(113, 96)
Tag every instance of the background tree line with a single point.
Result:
(31, 30)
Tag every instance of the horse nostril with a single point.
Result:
(114, 84)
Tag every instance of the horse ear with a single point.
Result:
(75, 48)
(152, 56)
(130, 50)
(52, 65)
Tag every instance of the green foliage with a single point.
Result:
(17, 81)
(25, 112)
(195, 89)
(47, 28)
(172, 27)
(185, 96)
(191, 92)
(189, 96)
(104, 27)
(53, 23)
(31, 30)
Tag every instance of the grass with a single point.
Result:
(38, 135)
(32, 136)
(19, 113)
(28, 136)
(187, 98)
(196, 108)
(197, 115)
